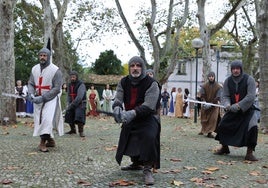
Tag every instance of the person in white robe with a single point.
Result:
(44, 87)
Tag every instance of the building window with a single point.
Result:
(181, 67)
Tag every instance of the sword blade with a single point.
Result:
(106, 113)
(202, 102)
(12, 95)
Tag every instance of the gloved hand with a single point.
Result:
(206, 106)
(29, 97)
(70, 107)
(128, 116)
(117, 114)
(37, 100)
(234, 108)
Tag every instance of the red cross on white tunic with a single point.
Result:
(40, 87)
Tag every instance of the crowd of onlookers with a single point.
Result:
(175, 103)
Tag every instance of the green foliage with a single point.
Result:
(28, 19)
(27, 41)
(107, 64)
(125, 67)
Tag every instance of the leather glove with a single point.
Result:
(234, 108)
(128, 116)
(37, 100)
(206, 106)
(70, 107)
(117, 114)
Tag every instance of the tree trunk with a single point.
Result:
(53, 30)
(263, 60)
(7, 60)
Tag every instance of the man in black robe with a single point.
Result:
(76, 110)
(140, 133)
(238, 126)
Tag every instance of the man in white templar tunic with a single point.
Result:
(44, 88)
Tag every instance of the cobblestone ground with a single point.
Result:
(186, 158)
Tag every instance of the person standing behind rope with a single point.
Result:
(21, 91)
(165, 99)
(186, 104)
(210, 115)
(107, 98)
(238, 126)
(44, 86)
(77, 101)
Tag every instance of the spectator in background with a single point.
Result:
(172, 102)
(93, 101)
(186, 104)
(21, 91)
(29, 105)
(165, 99)
(107, 96)
(63, 97)
(179, 103)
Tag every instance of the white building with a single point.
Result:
(184, 74)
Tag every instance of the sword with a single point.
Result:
(13, 95)
(203, 102)
(106, 113)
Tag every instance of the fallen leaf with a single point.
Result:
(197, 180)
(32, 153)
(70, 172)
(247, 162)
(207, 172)
(121, 183)
(113, 148)
(5, 182)
(255, 173)
(226, 163)
(224, 177)
(83, 182)
(177, 183)
(265, 166)
(12, 168)
(262, 181)
(173, 171)
(189, 168)
(212, 168)
(175, 160)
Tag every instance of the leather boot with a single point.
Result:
(148, 175)
(72, 131)
(249, 156)
(50, 143)
(81, 130)
(133, 166)
(210, 135)
(42, 145)
(223, 150)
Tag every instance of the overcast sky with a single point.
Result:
(120, 44)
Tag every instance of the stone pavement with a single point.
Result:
(186, 158)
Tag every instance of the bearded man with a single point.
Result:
(210, 115)
(77, 103)
(238, 126)
(140, 133)
(44, 87)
